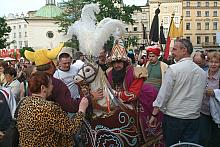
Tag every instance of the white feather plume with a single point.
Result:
(91, 36)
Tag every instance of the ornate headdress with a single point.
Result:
(118, 50)
(92, 35)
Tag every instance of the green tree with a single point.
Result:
(108, 8)
(131, 41)
(25, 48)
(72, 11)
(4, 31)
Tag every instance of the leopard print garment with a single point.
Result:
(44, 124)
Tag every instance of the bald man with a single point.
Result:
(199, 59)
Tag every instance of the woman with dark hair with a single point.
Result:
(11, 81)
(42, 122)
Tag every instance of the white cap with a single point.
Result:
(67, 50)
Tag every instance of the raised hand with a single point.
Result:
(83, 104)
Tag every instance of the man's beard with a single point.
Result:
(118, 77)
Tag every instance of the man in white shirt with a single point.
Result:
(66, 71)
(180, 97)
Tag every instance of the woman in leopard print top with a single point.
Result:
(44, 123)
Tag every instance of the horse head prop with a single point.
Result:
(90, 78)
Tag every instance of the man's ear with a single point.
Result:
(184, 50)
(43, 88)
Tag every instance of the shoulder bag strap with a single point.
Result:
(25, 88)
(17, 108)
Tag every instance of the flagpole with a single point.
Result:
(182, 21)
(167, 48)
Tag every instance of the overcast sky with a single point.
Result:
(19, 6)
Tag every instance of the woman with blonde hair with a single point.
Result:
(209, 130)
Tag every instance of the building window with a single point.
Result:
(207, 26)
(14, 35)
(126, 29)
(176, 20)
(50, 34)
(198, 4)
(188, 26)
(19, 34)
(188, 4)
(215, 13)
(25, 26)
(206, 13)
(215, 4)
(14, 27)
(144, 16)
(165, 9)
(135, 29)
(126, 40)
(199, 26)
(15, 46)
(207, 4)
(206, 39)
(25, 34)
(19, 26)
(187, 13)
(26, 43)
(165, 30)
(198, 39)
(214, 39)
(188, 37)
(176, 9)
(20, 44)
(199, 14)
(215, 25)
(165, 20)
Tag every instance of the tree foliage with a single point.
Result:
(23, 50)
(4, 31)
(131, 41)
(108, 8)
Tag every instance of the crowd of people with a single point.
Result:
(53, 109)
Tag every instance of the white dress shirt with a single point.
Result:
(182, 89)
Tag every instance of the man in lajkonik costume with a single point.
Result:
(131, 89)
